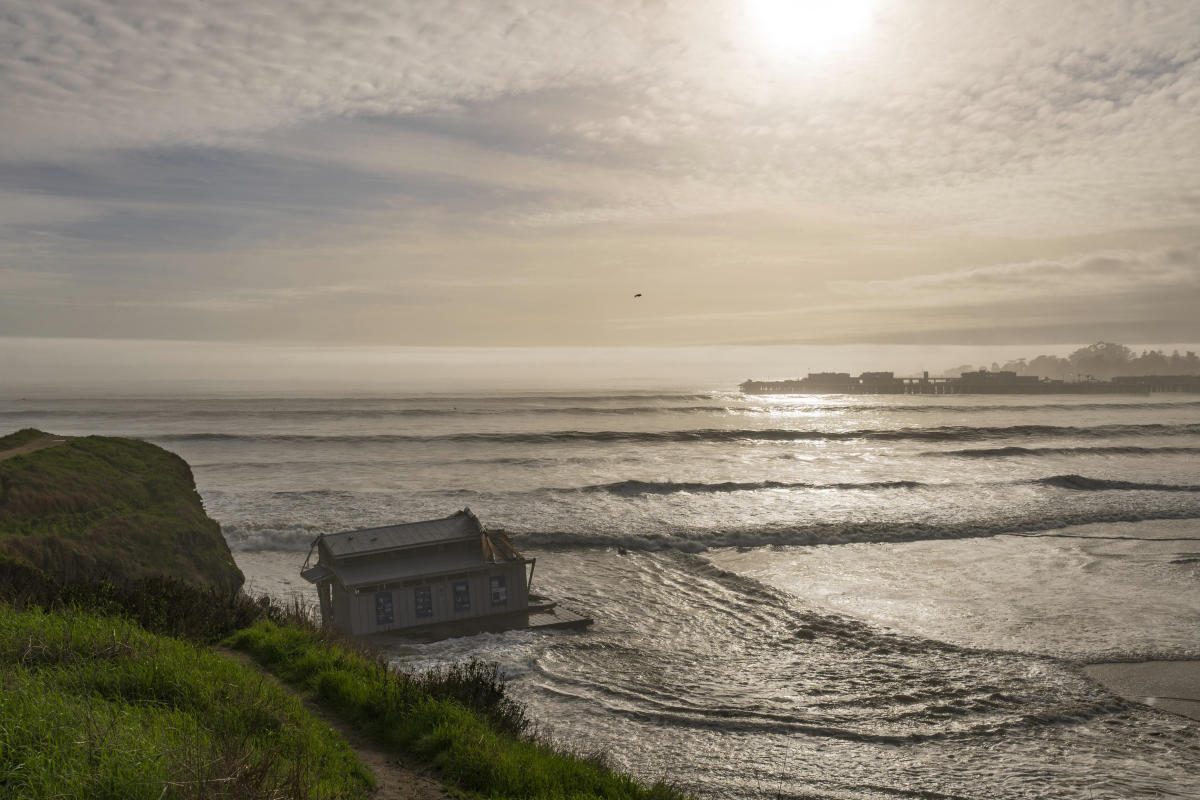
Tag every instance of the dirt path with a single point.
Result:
(37, 444)
(394, 780)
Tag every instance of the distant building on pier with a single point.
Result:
(1160, 383)
(979, 382)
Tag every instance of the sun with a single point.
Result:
(808, 28)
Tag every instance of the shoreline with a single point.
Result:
(1170, 686)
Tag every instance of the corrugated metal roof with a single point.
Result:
(459, 525)
(387, 569)
(316, 573)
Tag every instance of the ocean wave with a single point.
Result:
(351, 413)
(927, 722)
(387, 461)
(259, 409)
(627, 397)
(292, 535)
(643, 488)
(943, 408)
(1112, 450)
(713, 435)
(1081, 483)
(635, 487)
(833, 533)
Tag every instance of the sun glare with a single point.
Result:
(808, 28)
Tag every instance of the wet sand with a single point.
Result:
(1172, 686)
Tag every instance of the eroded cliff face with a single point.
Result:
(106, 508)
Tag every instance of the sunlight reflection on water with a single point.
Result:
(800, 610)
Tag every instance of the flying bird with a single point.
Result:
(639, 294)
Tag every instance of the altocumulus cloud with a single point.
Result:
(942, 96)
(222, 158)
(130, 73)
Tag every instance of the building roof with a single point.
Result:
(396, 552)
(316, 573)
(386, 569)
(458, 526)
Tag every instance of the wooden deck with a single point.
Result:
(542, 614)
(558, 617)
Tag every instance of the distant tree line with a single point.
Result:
(1101, 361)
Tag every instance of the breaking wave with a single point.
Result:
(285, 535)
(634, 487)
(335, 463)
(1113, 450)
(698, 541)
(1081, 483)
(290, 535)
(642, 488)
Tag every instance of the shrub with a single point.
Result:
(458, 718)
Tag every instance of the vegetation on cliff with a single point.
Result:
(97, 707)
(457, 719)
(104, 507)
(113, 589)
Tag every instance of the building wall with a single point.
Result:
(394, 606)
(343, 603)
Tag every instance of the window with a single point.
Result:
(498, 590)
(384, 613)
(462, 596)
(423, 601)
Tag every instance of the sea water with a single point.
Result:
(848, 597)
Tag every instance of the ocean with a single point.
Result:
(795, 596)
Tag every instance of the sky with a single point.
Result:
(412, 175)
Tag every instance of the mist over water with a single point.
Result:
(867, 597)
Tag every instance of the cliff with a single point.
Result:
(105, 508)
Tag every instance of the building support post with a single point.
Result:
(326, 595)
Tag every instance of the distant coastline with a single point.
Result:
(977, 382)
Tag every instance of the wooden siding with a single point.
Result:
(342, 603)
(370, 609)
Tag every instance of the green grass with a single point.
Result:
(66, 674)
(457, 720)
(96, 707)
(161, 605)
(19, 438)
(121, 508)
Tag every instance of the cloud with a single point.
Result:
(1140, 296)
(16, 282)
(1117, 273)
(222, 159)
(993, 116)
(138, 72)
